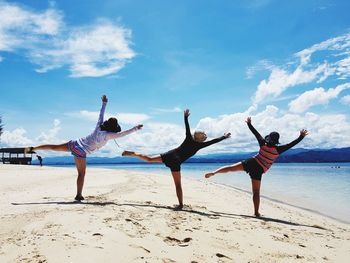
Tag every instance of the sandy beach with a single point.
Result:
(129, 217)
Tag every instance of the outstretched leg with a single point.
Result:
(225, 169)
(53, 147)
(146, 158)
(256, 196)
(80, 163)
(177, 180)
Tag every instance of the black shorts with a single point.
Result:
(252, 168)
(171, 160)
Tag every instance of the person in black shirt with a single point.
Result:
(40, 160)
(259, 164)
(174, 158)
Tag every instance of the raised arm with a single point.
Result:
(260, 139)
(187, 125)
(219, 139)
(102, 111)
(114, 135)
(283, 148)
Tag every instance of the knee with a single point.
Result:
(146, 158)
(178, 187)
(256, 193)
(149, 159)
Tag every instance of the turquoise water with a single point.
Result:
(323, 188)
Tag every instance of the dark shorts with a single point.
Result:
(252, 168)
(76, 150)
(171, 160)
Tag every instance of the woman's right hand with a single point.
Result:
(139, 127)
(187, 113)
(104, 99)
(249, 120)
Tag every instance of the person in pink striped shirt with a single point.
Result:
(104, 131)
(259, 164)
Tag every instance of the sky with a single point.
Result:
(284, 63)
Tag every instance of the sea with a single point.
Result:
(323, 188)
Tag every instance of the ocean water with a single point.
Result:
(322, 188)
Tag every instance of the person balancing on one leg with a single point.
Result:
(259, 164)
(174, 158)
(104, 131)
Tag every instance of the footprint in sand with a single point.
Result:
(168, 260)
(174, 241)
(219, 255)
(141, 247)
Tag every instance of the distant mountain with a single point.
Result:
(298, 155)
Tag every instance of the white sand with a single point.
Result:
(128, 217)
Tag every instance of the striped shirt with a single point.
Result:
(268, 154)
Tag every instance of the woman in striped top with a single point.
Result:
(259, 164)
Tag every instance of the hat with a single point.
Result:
(272, 138)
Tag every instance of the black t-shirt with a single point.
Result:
(189, 146)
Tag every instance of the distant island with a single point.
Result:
(298, 155)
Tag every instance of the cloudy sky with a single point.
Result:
(284, 63)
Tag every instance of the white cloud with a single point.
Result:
(123, 118)
(317, 96)
(280, 80)
(23, 28)
(96, 50)
(333, 61)
(345, 100)
(131, 118)
(170, 110)
(326, 130)
(260, 65)
(340, 43)
(50, 136)
(343, 68)
(154, 138)
(18, 138)
(93, 51)
(15, 138)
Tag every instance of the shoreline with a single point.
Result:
(129, 217)
(269, 195)
(285, 203)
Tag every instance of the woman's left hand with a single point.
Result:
(227, 135)
(139, 127)
(104, 99)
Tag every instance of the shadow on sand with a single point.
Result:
(186, 209)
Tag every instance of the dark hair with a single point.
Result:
(110, 125)
(272, 139)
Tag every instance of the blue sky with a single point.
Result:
(285, 63)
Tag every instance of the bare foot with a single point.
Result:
(79, 198)
(209, 175)
(28, 149)
(128, 153)
(179, 207)
(257, 214)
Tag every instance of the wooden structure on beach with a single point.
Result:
(16, 156)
